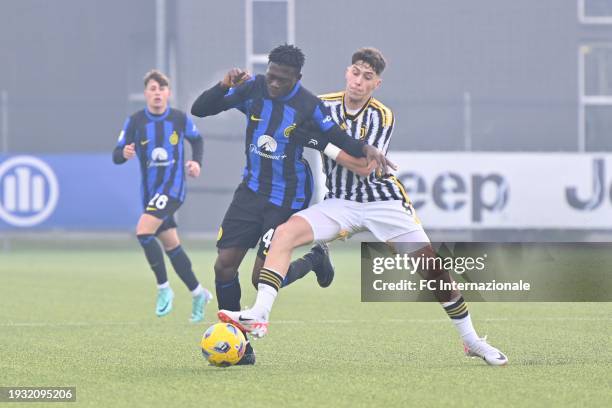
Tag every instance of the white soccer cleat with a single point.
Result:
(488, 353)
(245, 321)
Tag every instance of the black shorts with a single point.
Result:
(163, 208)
(168, 223)
(251, 218)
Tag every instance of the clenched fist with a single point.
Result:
(193, 168)
(129, 151)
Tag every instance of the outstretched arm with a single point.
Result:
(346, 151)
(227, 94)
(358, 166)
(357, 148)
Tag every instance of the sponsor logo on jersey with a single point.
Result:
(267, 143)
(159, 158)
(265, 146)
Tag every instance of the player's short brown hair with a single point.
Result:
(372, 57)
(156, 76)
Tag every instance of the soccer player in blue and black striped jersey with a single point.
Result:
(277, 181)
(156, 136)
(357, 203)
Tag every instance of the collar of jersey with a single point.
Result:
(290, 94)
(157, 117)
(353, 117)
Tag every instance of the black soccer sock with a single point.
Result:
(154, 255)
(182, 266)
(299, 268)
(228, 294)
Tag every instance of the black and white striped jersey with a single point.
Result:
(373, 124)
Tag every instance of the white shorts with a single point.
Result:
(388, 221)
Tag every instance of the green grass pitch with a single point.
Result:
(86, 318)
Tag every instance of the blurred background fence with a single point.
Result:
(503, 109)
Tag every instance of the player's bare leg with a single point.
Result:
(295, 232)
(456, 308)
(288, 236)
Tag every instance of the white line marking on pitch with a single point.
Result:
(329, 321)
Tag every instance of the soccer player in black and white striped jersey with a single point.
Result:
(353, 204)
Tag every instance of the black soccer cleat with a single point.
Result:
(249, 356)
(324, 268)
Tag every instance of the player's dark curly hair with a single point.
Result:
(288, 55)
(372, 57)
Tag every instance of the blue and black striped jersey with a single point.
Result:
(159, 143)
(274, 167)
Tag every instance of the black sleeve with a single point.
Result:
(197, 149)
(210, 102)
(309, 135)
(339, 138)
(218, 99)
(321, 118)
(118, 155)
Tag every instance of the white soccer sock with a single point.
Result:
(466, 330)
(164, 285)
(197, 291)
(457, 311)
(270, 282)
(266, 295)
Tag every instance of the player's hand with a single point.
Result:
(235, 77)
(382, 163)
(193, 168)
(129, 151)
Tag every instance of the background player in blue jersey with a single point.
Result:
(156, 135)
(277, 181)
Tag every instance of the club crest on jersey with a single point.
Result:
(174, 137)
(289, 129)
